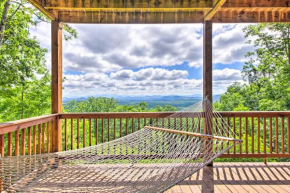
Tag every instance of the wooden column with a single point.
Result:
(207, 75)
(56, 84)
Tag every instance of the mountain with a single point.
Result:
(174, 100)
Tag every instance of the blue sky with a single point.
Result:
(146, 59)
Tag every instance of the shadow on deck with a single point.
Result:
(238, 177)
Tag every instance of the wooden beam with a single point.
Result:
(207, 78)
(42, 9)
(216, 7)
(226, 15)
(256, 3)
(207, 60)
(56, 85)
(129, 4)
(125, 10)
(130, 17)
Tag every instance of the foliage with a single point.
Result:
(267, 72)
(25, 79)
(103, 104)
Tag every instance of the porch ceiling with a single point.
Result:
(165, 11)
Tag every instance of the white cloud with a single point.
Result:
(107, 56)
(229, 44)
(108, 48)
(227, 74)
(157, 74)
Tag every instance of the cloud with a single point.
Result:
(130, 59)
(108, 48)
(227, 74)
(157, 74)
(229, 44)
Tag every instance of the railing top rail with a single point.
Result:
(23, 123)
(116, 115)
(255, 113)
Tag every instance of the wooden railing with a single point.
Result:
(27, 136)
(264, 134)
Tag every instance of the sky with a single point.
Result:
(134, 60)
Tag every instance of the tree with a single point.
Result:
(25, 80)
(267, 73)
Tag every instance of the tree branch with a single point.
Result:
(3, 20)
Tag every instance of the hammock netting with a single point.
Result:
(151, 159)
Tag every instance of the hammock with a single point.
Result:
(149, 160)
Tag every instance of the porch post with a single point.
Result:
(56, 84)
(207, 72)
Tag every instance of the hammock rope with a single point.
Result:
(151, 159)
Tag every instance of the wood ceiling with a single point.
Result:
(165, 11)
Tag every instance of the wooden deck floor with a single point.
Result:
(238, 177)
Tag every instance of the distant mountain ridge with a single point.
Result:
(178, 101)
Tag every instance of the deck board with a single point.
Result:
(238, 177)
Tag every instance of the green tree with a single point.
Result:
(24, 78)
(267, 73)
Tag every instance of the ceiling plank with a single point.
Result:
(256, 3)
(251, 16)
(130, 4)
(130, 17)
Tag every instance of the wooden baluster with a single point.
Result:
(246, 133)
(102, 130)
(34, 140)
(126, 126)
(108, 132)
(240, 134)
(216, 133)
(229, 125)
(78, 133)
(10, 144)
(288, 134)
(29, 141)
(72, 133)
(90, 132)
(17, 143)
(39, 139)
(144, 122)
(271, 135)
(52, 125)
(276, 135)
(199, 122)
(234, 122)
(252, 134)
(132, 125)
(65, 134)
(139, 123)
(114, 128)
(2, 142)
(47, 137)
(120, 127)
(84, 132)
(23, 137)
(193, 129)
(282, 135)
(43, 138)
(259, 136)
(97, 130)
(264, 134)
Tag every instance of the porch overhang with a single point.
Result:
(164, 11)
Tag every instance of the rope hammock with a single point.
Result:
(149, 160)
